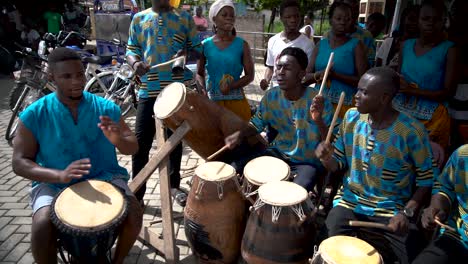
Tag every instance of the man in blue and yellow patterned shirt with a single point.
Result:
(449, 202)
(157, 35)
(287, 110)
(388, 168)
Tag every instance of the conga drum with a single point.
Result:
(346, 250)
(87, 216)
(214, 216)
(210, 123)
(280, 229)
(260, 171)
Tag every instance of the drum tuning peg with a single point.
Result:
(251, 208)
(197, 196)
(220, 196)
(191, 108)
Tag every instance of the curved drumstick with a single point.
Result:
(369, 225)
(219, 151)
(335, 116)
(168, 62)
(327, 70)
(444, 225)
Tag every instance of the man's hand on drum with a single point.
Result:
(233, 140)
(399, 224)
(75, 170)
(429, 216)
(316, 109)
(110, 129)
(141, 68)
(264, 84)
(324, 153)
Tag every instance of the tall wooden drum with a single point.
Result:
(214, 216)
(87, 216)
(346, 250)
(280, 229)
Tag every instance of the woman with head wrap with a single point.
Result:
(225, 56)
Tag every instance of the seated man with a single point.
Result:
(388, 168)
(66, 137)
(449, 203)
(286, 110)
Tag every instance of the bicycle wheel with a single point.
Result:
(107, 78)
(26, 98)
(125, 102)
(15, 93)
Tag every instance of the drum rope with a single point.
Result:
(201, 183)
(220, 186)
(251, 193)
(239, 187)
(258, 204)
(299, 211)
(316, 252)
(275, 213)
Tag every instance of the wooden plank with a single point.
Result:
(162, 152)
(170, 250)
(151, 238)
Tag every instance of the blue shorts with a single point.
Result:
(43, 194)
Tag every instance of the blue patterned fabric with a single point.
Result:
(62, 141)
(155, 38)
(382, 166)
(428, 72)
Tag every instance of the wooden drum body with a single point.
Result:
(87, 216)
(280, 229)
(346, 250)
(215, 214)
(210, 123)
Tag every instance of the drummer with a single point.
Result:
(388, 167)
(286, 109)
(449, 203)
(66, 137)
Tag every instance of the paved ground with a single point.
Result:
(15, 213)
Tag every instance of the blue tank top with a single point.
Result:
(223, 66)
(428, 72)
(343, 62)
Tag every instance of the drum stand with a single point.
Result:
(160, 160)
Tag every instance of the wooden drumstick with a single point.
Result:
(325, 75)
(219, 151)
(369, 225)
(168, 62)
(335, 116)
(444, 225)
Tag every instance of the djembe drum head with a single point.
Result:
(170, 100)
(345, 250)
(265, 169)
(282, 193)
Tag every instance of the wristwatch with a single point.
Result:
(408, 212)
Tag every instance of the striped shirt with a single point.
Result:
(155, 38)
(298, 135)
(453, 184)
(382, 166)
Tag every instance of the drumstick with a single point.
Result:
(219, 151)
(335, 116)
(369, 225)
(325, 75)
(167, 62)
(444, 225)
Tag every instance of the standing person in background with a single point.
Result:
(355, 31)
(349, 62)
(289, 37)
(200, 20)
(226, 56)
(156, 35)
(53, 19)
(388, 53)
(376, 23)
(308, 28)
(428, 76)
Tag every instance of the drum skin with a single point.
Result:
(286, 241)
(214, 226)
(210, 124)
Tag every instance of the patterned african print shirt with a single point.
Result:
(382, 166)
(366, 37)
(156, 38)
(298, 135)
(453, 184)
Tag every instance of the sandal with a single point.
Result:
(179, 196)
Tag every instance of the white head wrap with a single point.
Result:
(217, 6)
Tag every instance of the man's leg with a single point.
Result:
(444, 250)
(337, 221)
(306, 175)
(145, 129)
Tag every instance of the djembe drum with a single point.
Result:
(214, 216)
(280, 229)
(346, 250)
(260, 171)
(87, 216)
